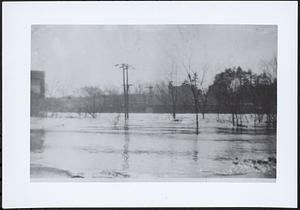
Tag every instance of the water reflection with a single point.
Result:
(126, 125)
(37, 139)
(195, 152)
(158, 148)
(125, 153)
(266, 131)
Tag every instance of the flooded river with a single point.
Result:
(150, 147)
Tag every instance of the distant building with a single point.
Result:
(37, 92)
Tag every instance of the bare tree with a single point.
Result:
(173, 97)
(269, 67)
(189, 62)
(172, 81)
(139, 89)
(192, 82)
(93, 100)
(52, 94)
(204, 91)
(111, 90)
(171, 67)
(161, 93)
(266, 91)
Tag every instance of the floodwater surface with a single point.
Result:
(148, 147)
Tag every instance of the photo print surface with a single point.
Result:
(153, 102)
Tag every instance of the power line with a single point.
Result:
(125, 67)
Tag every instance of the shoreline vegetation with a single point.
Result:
(233, 91)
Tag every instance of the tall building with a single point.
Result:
(37, 93)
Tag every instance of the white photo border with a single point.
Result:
(18, 191)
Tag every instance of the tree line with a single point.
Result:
(231, 91)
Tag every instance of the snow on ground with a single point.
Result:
(151, 146)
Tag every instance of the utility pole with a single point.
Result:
(127, 98)
(125, 67)
(127, 94)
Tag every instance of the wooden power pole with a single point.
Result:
(125, 67)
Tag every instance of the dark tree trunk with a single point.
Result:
(173, 106)
(197, 118)
(174, 98)
(233, 122)
(197, 124)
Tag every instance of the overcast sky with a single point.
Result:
(77, 56)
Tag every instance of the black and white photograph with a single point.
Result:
(113, 104)
(153, 102)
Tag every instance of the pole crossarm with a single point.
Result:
(126, 85)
